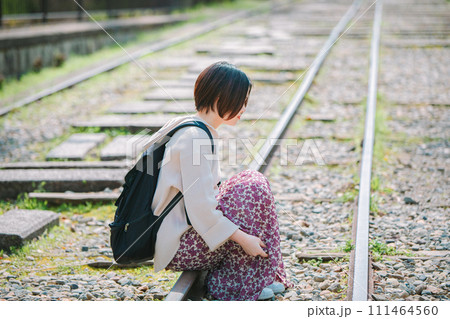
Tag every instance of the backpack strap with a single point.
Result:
(197, 124)
(179, 195)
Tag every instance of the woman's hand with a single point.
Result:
(251, 244)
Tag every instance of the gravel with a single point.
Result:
(321, 220)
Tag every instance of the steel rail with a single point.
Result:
(278, 132)
(360, 281)
(152, 48)
(181, 289)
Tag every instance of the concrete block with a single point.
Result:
(20, 225)
(77, 146)
(16, 181)
(169, 94)
(151, 122)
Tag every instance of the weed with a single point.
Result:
(98, 210)
(276, 169)
(348, 196)
(40, 188)
(380, 249)
(22, 202)
(375, 183)
(315, 262)
(311, 100)
(348, 247)
(375, 201)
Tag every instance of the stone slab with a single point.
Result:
(320, 255)
(180, 83)
(416, 43)
(170, 94)
(64, 164)
(19, 225)
(325, 31)
(320, 117)
(278, 78)
(77, 146)
(271, 64)
(112, 265)
(16, 181)
(324, 135)
(168, 63)
(237, 50)
(250, 116)
(153, 107)
(137, 107)
(270, 78)
(75, 198)
(192, 76)
(122, 146)
(116, 149)
(45, 33)
(182, 107)
(151, 122)
(292, 197)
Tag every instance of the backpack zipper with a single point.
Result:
(126, 227)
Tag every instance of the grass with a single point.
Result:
(344, 284)
(47, 241)
(348, 247)
(380, 154)
(382, 133)
(48, 251)
(48, 261)
(99, 211)
(348, 196)
(380, 249)
(315, 262)
(22, 202)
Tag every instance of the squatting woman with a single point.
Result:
(229, 230)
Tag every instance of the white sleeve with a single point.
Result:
(195, 154)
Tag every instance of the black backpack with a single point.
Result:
(135, 227)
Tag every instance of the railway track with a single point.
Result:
(360, 269)
(188, 279)
(318, 193)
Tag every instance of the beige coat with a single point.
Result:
(187, 168)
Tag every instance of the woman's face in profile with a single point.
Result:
(235, 119)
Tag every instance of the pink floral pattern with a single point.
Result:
(245, 199)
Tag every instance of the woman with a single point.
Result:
(234, 231)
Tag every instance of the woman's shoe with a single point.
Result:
(266, 293)
(276, 287)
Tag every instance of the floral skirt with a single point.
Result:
(245, 199)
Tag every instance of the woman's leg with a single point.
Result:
(194, 254)
(246, 199)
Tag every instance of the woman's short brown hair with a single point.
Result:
(224, 83)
